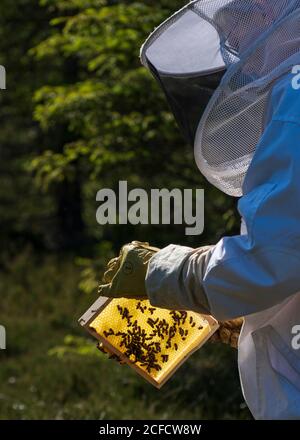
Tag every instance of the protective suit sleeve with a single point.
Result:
(174, 277)
(248, 273)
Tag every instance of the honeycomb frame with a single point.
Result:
(96, 314)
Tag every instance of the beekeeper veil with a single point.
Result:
(217, 61)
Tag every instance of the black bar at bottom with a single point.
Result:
(93, 429)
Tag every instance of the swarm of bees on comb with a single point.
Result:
(154, 341)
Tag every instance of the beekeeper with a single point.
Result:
(228, 71)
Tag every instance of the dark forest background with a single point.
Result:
(79, 114)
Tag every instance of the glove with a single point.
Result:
(229, 332)
(125, 275)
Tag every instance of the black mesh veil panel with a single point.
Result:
(188, 97)
(188, 71)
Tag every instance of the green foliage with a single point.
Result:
(92, 268)
(112, 120)
(73, 345)
(117, 123)
(25, 216)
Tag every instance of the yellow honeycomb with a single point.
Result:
(155, 340)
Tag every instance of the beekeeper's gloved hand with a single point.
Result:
(125, 275)
(228, 332)
(171, 280)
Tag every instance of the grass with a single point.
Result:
(52, 370)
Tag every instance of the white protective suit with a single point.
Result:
(255, 274)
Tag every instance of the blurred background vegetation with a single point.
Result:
(79, 114)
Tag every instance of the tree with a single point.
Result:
(25, 214)
(116, 115)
